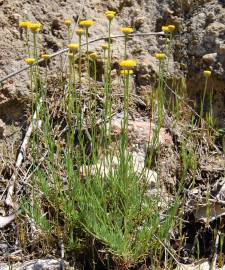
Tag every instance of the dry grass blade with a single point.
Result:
(9, 198)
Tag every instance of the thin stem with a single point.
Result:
(80, 61)
(203, 101)
(94, 135)
(104, 65)
(125, 46)
(27, 42)
(109, 52)
(87, 56)
(68, 33)
(108, 100)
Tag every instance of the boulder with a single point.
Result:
(209, 58)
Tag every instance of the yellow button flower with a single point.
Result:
(128, 64)
(160, 56)
(93, 56)
(86, 23)
(35, 27)
(127, 30)
(171, 27)
(45, 56)
(105, 46)
(79, 31)
(165, 29)
(110, 14)
(67, 22)
(126, 72)
(73, 47)
(29, 61)
(207, 73)
(24, 24)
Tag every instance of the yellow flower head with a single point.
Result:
(171, 27)
(110, 14)
(128, 64)
(86, 23)
(165, 29)
(73, 47)
(93, 56)
(79, 31)
(207, 73)
(67, 22)
(24, 24)
(35, 27)
(45, 56)
(127, 30)
(160, 56)
(29, 61)
(126, 72)
(105, 46)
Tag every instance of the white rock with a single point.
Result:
(2, 128)
(41, 264)
(203, 266)
(209, 58)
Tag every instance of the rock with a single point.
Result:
(145, 70)
(56, 24)
(139, 22)
(127, 3)
(147, 176)
(222, 49)
(2, 129)
(41, 264)
(198, 266)
(215, 29)
(140, 132)
(201, 266)
(209, 58)
(15, 17)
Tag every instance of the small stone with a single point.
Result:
(140, 132)
(222, 49)
(146, 67)
(127, 3)
(210, 18)
(209, 58)
(216, 29)
(15, 17)
(139, 22)
(41, 264)
(2, 129)
(56, 24)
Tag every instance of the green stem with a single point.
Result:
(108, 98)
(124, 133)
(46, 72)
(125, 47)
(80, 61)
(126, 106)
(87, 55)
(109, 52)
(70, 107)
(27, 42)
(203, 101)
(68, 33)
(104, 64)
(94, 134)
(35, 45)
